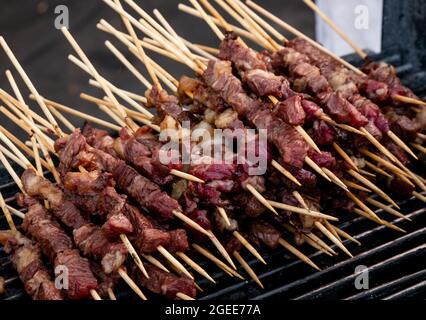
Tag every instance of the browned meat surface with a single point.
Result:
(27, 260)
(163, 283)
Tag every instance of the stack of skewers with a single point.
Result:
(117, 210)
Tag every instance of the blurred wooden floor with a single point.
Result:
(28, 27)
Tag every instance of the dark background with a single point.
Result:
(28, 27)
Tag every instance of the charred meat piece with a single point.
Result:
(262, 232)
(27, 260)
(64, 210)
(94, 243)
(163, 283)
(94, 192)
(288, 141)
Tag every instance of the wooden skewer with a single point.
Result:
(372, 186)
(82, 115)
(92, 69)
(11, 156)
(216, 261)
(224, 216)
(321, 243)
(123, 274)
(22, 101)
(238, 7)
(317, 245)
(183, 296)
(195, 266)
(132, 95)
(315, 214)
(285, 172)
(317, 169)
(330, 228)
(421, 136)
(300, 199)
(367, 173)
(154, 261)
(329, 235)
(419, 196)
(248, 269)
(345, 156)
(95, 295)
(383, 222)
(346, 235)
(363, 206)
(409, 100)
(133, 254)
(248, 246)
(6, 212)
(128, 64)
(298, 254)
(419, 147)
(261, 198)
(222, 250)
(29, 84)
(378, 145)
(62, 119)
(355, 186)
(174, 261)
(193, 12)
(401, 144)
(141, 51)
(335, 178)
(262, 23)
(412, 175)
(377, 169)
(17, 107)
(258, 39)
(119, 92)
(111, 294)
(383, 162)
(333, 26)
(386, 208)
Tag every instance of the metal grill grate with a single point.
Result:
(396, 261)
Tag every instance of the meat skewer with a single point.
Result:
(115, 223)
(324, 52)
(400, 164)
(376, 187)
(27, 260)
(60, 247)
(379, 191)
(125, 277)
(386, 75)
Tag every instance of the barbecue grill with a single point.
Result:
(395, 260)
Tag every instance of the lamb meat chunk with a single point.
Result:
(161, 282)
(80, 278)
(265, 233)
(291, 111)
(93, 242)
(243, 57)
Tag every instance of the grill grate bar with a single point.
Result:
(341, 285)
(390, 287)
(417, 290)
